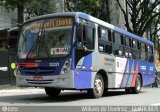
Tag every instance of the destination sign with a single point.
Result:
(53, 23)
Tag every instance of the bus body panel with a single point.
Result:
(148, 72)
(83, 73)
(89, 66)
(106, 63)
(122, 71)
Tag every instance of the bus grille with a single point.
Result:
(38, 70)
(39, 82)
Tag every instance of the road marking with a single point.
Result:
(156, 104)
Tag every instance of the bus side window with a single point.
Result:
(135, 52)
(128, 48)
(122, 46)
(122, 40)
(134, 43)
(117, 38)
(146, 53)
(150, 54)
(117, 43)
(105, 38)
(104, 34)
(101, 48)
(143, 52)
(88, 37)
(108, 48)
(109, 36)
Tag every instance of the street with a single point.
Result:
(37, 97)
(35, 100)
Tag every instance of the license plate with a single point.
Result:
(38, 78)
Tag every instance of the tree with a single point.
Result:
(12, 5)
(96, 8)
(154, 31)
(31, 7)
(39, 7)
(20, 8)
(142, 15)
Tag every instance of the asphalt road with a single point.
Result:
(38, 98)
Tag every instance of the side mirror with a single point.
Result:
(79, 35)
(79, 32)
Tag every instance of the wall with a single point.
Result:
(117, 20)
(6, 18)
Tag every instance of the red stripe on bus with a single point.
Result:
(27, 64)
(134, 77)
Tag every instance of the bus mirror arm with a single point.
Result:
(79, 45)
(86, 49)
(75, 44)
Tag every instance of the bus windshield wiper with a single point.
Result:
(45, 45)
(43, 42)
(37, 40)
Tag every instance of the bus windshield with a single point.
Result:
(46, 39)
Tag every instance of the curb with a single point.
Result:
(5, 89)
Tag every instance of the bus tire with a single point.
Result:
(105, 92)
(137, 88)
(52, 92)
(128, 90)
(98, 87)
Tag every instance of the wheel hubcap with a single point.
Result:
(98, 86)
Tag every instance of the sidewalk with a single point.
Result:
(7, 89)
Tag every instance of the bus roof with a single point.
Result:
(95, 20)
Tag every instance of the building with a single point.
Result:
(8, 20)
(117, 20)
(157, 51)
(59, 5)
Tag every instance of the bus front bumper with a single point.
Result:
(57, 81)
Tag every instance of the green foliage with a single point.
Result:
(96, 8)
(32, 7)
(142, 13)
(88, 6)
(9, 4)
(39, 7)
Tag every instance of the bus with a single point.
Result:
(75, 51)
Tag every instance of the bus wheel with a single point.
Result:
(52, 92)
(137, 88)
(105, 92)
(128, 90)
(98, 87)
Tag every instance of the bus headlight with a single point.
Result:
(66, 67)
(65, 70)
